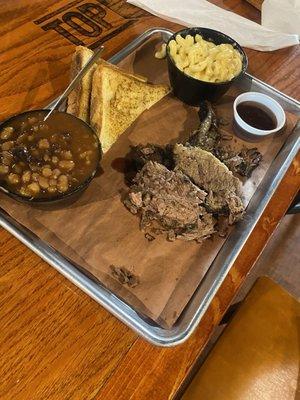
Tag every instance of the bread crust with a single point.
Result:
(108, 98)
(117, 99)
(79, 99)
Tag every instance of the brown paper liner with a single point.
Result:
(97, 231)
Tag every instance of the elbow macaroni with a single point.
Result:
(162, 52)
(205, 60)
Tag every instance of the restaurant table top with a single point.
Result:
(55, 341)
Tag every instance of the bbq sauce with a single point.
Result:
(257, 116)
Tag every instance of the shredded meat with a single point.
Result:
(124, 276)
(168, 202)
(243, 162)
(189, 191)
(141, 154)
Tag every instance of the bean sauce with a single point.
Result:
(46, 159)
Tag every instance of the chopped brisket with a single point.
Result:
(168, 202)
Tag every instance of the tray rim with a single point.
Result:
(206, 291)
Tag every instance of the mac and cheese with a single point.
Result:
(205, 60)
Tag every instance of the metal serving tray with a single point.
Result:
(216, 274)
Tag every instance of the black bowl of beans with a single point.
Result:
(47, 161)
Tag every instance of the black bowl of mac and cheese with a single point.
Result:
(203, 64)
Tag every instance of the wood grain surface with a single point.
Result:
(55, 342)
(256, 3)
(265, 363)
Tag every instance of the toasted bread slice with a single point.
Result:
(117, 100)
(79, 98)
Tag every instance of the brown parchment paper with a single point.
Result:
(96, 230)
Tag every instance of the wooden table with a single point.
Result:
(55, 342)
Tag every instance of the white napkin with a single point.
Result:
(202, 13)
(281, 15)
